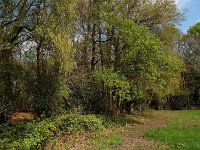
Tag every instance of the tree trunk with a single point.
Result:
(93, 49)
(39, 59)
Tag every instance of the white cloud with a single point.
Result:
(182, 3)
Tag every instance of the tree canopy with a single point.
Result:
(105, 56)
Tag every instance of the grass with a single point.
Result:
(113, 133)
(182, 132)
(105, 140)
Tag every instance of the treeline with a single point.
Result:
(97, 56)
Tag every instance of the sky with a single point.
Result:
(192, 14)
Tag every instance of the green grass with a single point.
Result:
(105, 140)
(182, 132)
(113, 133)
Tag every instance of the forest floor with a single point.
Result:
(154, 130)
(128, 137)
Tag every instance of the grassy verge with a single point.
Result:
(182, 132)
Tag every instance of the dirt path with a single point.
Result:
(133, 139)
(137, 140)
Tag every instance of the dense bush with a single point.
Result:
(26, 135)
(80, 90)
(32, 134)
(76, 122)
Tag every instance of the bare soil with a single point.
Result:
(19, 117)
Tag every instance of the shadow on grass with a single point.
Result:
(121, 121)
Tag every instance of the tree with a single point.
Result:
(116, 89)
(125, 51)
(42, 26)
(18, 20)
(189, 48)
(150, 69)
(101, 44)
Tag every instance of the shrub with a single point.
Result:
(75, 122)
(25, 135)
(32, 134)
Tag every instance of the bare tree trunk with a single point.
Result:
(93, 49)
(117, 53)
(39, 59)
(110, 100)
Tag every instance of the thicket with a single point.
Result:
(34, 134)
(103, 57)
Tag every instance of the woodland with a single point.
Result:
(94, 57)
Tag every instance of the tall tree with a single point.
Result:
(43, 26)
(189, 48)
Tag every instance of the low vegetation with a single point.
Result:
(34, 133)
(182, 132)
(105, 140)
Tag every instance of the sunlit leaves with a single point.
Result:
(116, 82)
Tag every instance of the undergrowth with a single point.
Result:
(32, 134)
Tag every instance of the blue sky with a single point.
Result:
(192, 14)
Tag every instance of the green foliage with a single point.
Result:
(189, 47)
(49, 87)
(80, 86)
(145, 61)
(116, 82)
(35, 56)
(75, 122)
(48, 93)
(132, 45)
(195, 29)
(13, 88)
(26, 135)
(32, 134)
